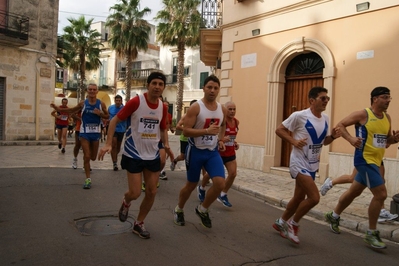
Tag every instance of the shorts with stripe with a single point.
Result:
(197, 158)
(369, 175)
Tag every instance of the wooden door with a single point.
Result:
(296, 99)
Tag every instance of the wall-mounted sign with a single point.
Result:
(45, 72)
(248, 60)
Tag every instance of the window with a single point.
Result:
(203, 76)
(137, 65)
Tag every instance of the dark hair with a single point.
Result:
(64, 99)
(156, 75)
(377, 91)
(314, 92)
(192, 102)
(118, 97)
(212, 78)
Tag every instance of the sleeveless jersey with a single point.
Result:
(143, 131)
(231, 131)
(304, 124)
(63, 121)
(183, 138)
(206, 118)
(90, 121)
(374, 133)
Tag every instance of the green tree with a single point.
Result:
(179, 26)
(129, 33)
(83, 48)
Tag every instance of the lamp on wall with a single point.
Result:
(362, 6)
(255, 32)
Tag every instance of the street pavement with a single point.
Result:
(273, 189)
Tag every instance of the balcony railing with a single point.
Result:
(142, 74)
(14, 25)
(211, 14)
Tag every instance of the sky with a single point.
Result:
(98, 9)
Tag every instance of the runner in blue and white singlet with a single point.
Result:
(303, 124)
(90, 127)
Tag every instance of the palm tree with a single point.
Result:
(129, 33)
(85, 46)
(179, 26)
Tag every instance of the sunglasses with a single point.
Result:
(324, 98)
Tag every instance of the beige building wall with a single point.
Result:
(29, 72)
(359, 50)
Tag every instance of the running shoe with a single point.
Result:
(172, 166)
(115, 167)
(158, 185)
(205, 220)
(75, 163)
(326, 187)
(281, 227)
(374, 240)
(292, 231)
(224, 200)
(87, 184)
(143, 186)
(334, 223)
(123, 211)
(59, 145)
(163, 176)
(201, 194)
(385, 215)
(178, 217)
(139, 230)
(63, 150)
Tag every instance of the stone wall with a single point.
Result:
(29, 71)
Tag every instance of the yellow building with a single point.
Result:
(270, 53)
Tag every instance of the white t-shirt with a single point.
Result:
(303, 124)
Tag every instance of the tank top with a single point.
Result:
(90, 121)
(231, 131)
(374, 133)
(144, 131)
(63, 121)
(204, 119)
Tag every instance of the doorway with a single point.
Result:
(303, 72)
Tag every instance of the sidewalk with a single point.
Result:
(273, 189)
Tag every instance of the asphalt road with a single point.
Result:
(46, 218)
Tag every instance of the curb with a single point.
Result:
(387, 231)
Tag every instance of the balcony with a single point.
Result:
(140, 76)
(211, 34)
(14, 29)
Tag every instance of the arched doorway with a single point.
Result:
(302, 73)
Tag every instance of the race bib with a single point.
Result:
(148, 127)
(379, 140)
(207, 140)
(231, 141)
(64, 117)
(314, 152)
(92, 128)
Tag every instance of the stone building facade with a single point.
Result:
(28, 45)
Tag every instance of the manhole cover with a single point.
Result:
(105, 225)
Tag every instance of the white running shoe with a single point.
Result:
(292, 231)
(385, 215)
(75, 163)
(326, 186)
